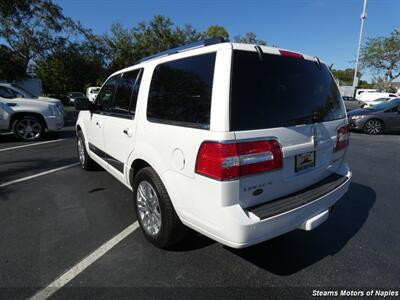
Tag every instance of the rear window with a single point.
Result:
(280, 91)
(180, 92)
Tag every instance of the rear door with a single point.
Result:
(120, 128)
(295, 101)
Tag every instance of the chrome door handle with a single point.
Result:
(127, 131)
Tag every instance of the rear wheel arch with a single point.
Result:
(135, 167)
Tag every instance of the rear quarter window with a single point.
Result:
(180, 92)
(280, 91)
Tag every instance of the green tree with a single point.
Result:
(382, 55)
(69, 68)
(11, 65)
(31, 28)
(120, 46)
(214, 31)
(126, 46)
(249, 38)
(345, 77)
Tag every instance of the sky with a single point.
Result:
(325, 28)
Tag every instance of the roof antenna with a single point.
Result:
(318, 62)
(259, 51)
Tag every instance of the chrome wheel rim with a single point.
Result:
(28, 129)
(81, 151)
(148, 208)
(373, 127)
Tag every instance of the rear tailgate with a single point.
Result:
(291, 100)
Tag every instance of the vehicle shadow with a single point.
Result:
(295, 251)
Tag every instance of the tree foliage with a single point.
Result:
(37, 39)
(69, 68)
(32, 28)
(11, 65)
(382, 55)
(214, 31)
(249, 38)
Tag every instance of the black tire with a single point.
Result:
(28, 128)
(86, 162)
(373, 126)
(171, 231)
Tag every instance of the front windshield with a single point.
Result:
(23, 91)
(384, 105)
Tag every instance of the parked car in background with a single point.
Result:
(366, 97)
(378, 118)
(91, 92)
(219, 138)
(28, 118)
(352, 103)
(19, 92)
(359, 92)
(376, 101)
(72, 95)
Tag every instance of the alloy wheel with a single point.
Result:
(148, 208)
(28, 129)
(373, 127)
(81, 151)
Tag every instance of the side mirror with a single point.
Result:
(83, 104)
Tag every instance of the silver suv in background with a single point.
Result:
(28, 117)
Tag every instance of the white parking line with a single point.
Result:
(83, 264)
(29, 145)
(37, 175)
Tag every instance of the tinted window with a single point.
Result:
(280, 91)
(106, 95)
(180, 91)
(125, 92)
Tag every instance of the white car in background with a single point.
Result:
(91, 92)
(28, 118)
(377, 101)
(367, 97)
(359, 92)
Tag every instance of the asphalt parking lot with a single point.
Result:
(51, 221)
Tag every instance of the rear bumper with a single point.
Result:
(241, 227)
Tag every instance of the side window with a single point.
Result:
(180, 92)
(106, 95)
(125, 92)
(6, 93)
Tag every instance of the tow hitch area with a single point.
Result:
(315, 221)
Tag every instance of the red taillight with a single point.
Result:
(232, 160)
(291, 54)
(342, 137)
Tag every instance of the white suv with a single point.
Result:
(239, 142)
(28, 118)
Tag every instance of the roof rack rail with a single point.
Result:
(198, 44)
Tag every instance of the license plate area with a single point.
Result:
(304, 161)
